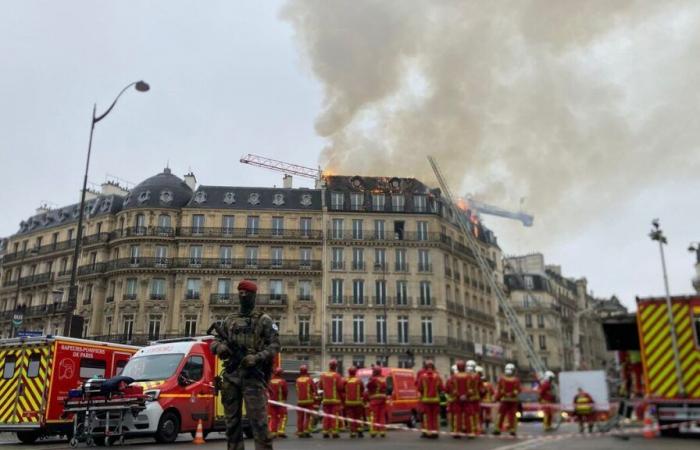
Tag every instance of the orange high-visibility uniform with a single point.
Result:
(376, 391)
(277, 390)
(331, 383)
(488, 394)
(306, 398)
(354, 402)
(546, 392)
(429, 388)
(584, 410)
(456, 389)
(473, 405)
(507, 393)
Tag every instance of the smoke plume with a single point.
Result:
(571, 104)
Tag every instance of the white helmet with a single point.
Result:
(480, 371)
(509, 369)
(549, 375)
(453, 369)
(471, 365)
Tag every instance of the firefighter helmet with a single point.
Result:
(352, 370)
(333, 365)
(549, 375)
(471, 365)
(509, 369)
(303, 370)
(461, 365)
(480, 371)
(429, 364)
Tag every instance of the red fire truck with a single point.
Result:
(37, 373)
(403, 400)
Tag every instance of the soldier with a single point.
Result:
(456, 390)
(583, 410)
(429, 389)
(507, 394)
(546, 392)
(354, 401)
(306, 397)
(331, 383)
(376, 390)
(473, 401)
(277, 390)
(487, 393)
(248, 342)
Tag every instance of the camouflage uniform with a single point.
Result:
(246, 380)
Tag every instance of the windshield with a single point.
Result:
(152, 367)
(529, 396)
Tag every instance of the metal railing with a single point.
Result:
(41, 310)
(198, 263)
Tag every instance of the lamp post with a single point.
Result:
(694, 247)
(656, 234)
(140, 86)
(382, 266)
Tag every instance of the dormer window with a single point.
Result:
(337, 201)
(397, 203)
(356, 201)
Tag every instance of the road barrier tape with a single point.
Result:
(388, 426)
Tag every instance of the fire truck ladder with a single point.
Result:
(533, 358)
(281, 166)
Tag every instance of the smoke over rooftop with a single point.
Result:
(574, 105)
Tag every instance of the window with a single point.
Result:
(127, 326)
(358, 258)
(426, 330)
(197, 223)
(402, 324)
(252, 225)
(425, 296)
(304, 326)
(223, 288)
(379, 229)
(140, 224)
(190, 325)
(358, 292)
(154, 327)
(381, 330)
(108, 325)
(8, 370)
(134, 254)
(528, 320)
(251, 256)
(543, 342)
(529, 284)
(337, 329)
(164, 224)
(305, 257)
(357, 228)
(87, 297)
(358, 361)
(195, 255)
(380, 259)
(276, 256)
(130, 289)
(193, 286)
(158, 289)
(397, 202)
(227, 224)
(90, 368)
(337, 201)
(337, 229)
(424, 261)
(358, 329)
(305, 290)
(337, 291)
(356, 201)
(401, 292)
(194, 368)
(383, 361)
(275, 287)
(305, 226)
(161, 254)
(420, 203)
(337, 258)
(225, 254)
(401, 264)
(540, 321)
(278, 226)
(405, 362)
(120, 367)
(378, 202)
(380, 292)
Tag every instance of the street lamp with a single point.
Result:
(657, 234)
(140, 86)
(382, 266)
(694, 247)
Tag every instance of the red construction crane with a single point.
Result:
(281, 166)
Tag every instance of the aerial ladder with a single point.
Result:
(281, 166)
(533, 358)
(484, 208)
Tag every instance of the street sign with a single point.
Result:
(17, 318)
(26, 333)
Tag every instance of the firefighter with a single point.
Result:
(507, 394)
(331, 385)
(473, 400)
(583, 410)
(546, 392)
(306, 398)
(429, 389)
(421, 371)
(376, 392)
(456, 389)
(277, 391)
(486, 393)
(354, 401)
(451, 405)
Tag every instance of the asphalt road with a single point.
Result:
(530, 437)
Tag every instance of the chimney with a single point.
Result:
(42, 209)
(191, 180)
(90, 194)
(287, 181)
(113, 188)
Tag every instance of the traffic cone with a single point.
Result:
(199, 435)
(650, 427)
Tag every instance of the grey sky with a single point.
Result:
(230, 78)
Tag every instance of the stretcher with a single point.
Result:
(99, 409)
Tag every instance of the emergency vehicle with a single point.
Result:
(403, 401)
(38, 372)
(674, 398)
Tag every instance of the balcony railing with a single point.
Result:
(370, 338)
(31, 280)
(192, 295)
(411, 236)
(262, 300)
(128, 297)
(250, 233)
(401, 267)
(478, 315)
(41, 310)
(425, 267)
(136, 339)
(300, 341)
(358, 265)
(199, 263)
(156, 296)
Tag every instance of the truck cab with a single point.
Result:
(402, 399)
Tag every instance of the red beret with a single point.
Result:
(247, 285)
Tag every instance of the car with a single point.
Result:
(529, 408)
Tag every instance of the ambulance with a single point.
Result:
(37, 373)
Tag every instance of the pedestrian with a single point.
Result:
(306, 398)
(377, 392)
(354, 402)
(487, 394)
(429, 388)
(584, 410)
(547, 399)
(472, 406)
(456, 389)
(331, 385)
(277, 390)
(248, 344)
(507, 394)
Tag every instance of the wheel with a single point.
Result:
(413, 421)
(73, 442)
(168, 428)
(27, 437)
(669, 432)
